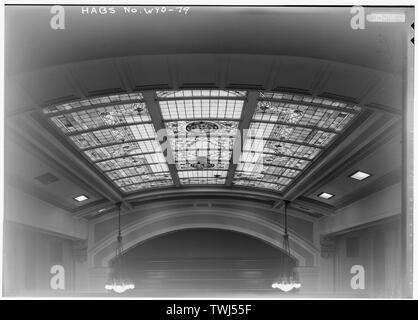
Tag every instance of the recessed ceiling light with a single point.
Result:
(325, 195)
(360, 175)
(80, 198)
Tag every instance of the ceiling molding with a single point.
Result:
(209, 204)
(174, 76)
(375, 224)
(247, 113)
(369, 146)
(124, 79)
(384, 109)
(365, 99)
(381, 183)
(275, 69)
(38, 132)
(351, 141)
(316, 206)
(278, 204)
(203, 190)
(92, 208)
(345, 143)
(157, 120)
(39, 230)
(35, 82)
(75, 84)
(320, 81)
(309, 207)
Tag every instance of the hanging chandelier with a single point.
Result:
(288, 278)
(118, 282)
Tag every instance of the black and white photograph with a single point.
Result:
(208, 151)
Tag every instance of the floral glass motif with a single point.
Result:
(201, 126)
(203, 176)
(116, 134)
(115, 99)
(147, 185)
(134, 160)
(287, 133)
(258, 184)
(202, 145)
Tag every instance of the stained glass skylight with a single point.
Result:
(203, 176)
(112, 100)
(201, 109)
(286, 134)
(202, 126)
(201, 104)
(202, 94)
(117, 135)
(202, 145)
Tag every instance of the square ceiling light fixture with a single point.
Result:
(325, 195)
(81, 198)
(360, 175)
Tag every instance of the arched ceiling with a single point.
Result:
(319, 92)
(285, 134)
(149, 222)
(287, 31)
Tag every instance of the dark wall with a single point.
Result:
(206, 259)
(203, 243)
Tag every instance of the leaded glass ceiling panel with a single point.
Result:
(116, 134)
(202, 126)
(284, 135)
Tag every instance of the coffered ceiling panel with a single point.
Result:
(203, 70)
(253, 75)
(350, 83)
(389, 93)
(149, 71)
(98, 77)
(53, 87)
(294, 72)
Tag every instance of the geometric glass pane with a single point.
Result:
(287, 133)
(201, 109)
(179, 94)
(91, 102)
(116, 134)
(102, 117)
